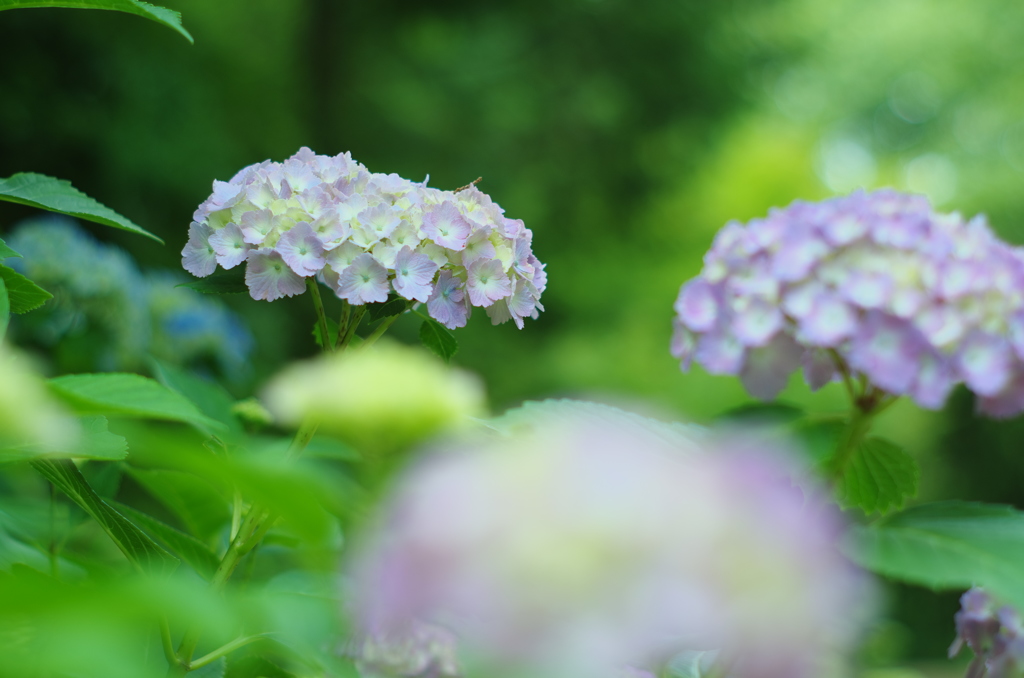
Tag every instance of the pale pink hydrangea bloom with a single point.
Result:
(914, 300)
(321, 216)
(589, 546)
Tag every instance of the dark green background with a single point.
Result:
(624, 134)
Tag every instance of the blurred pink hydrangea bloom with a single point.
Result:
(915, 300)
(366, 235)
(582, 550)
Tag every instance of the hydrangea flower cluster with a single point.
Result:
(100, 293)
(365, 235)
(588, 550)
(995, 634)
(914, 300)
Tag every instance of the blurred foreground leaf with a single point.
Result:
(57, 195)
(95, 442)
(23, 294)
(951, 544)
(6, 251)
(879, 478)
(202, 509)
(5, 309)
(133, 542)
(129, 395)
(194, 552)
(438, 339)
(161, 15)
(209, 397)
(231, 282)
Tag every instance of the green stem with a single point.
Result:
(225, 649)
(54, 549)
(252, 530)
(343, 323)
(851, 437)
(380, 330)
(353, 324)
(321, 316)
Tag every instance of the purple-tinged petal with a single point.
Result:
(984, 361)
(869, 289)
(844, 228)
(887, 350)
(269, 278)
(797, 256)
(486, 282)
(365, 281)
(198, 257)
(380, 221)
(684, 344)
(798, 300)
(767, 368)
(386, 252)
(257, 225)
(413, 274)
(478, 246)
(447, 303)
(342, 256)
(831, 321)
(697, 305)
(935, 379)
(302, 250)
(819, 368)
(230, 246)
(720, 353)
(445, 226)
(942, 325)
(757, 323)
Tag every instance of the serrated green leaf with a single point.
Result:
(395, 305)
(952, 544)
(160, 15)
(129, 395)
(23, 295)
(6, 251)
(819, 435)
(5, 309)
(194, 552)
(202, 509)
(438, 339)
(133, 542)
(215, 669)
(57, 195)
(879, 477)
(95, 442)
(332, 333)
(229, 282)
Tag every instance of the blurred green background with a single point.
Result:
(623, 133)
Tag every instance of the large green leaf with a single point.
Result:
(209, 396)
(133, 542)
(5, 309)
(230, 282)
(57, 195)
(385, 309)
(23, 294)
(129, 395)
(438, 339)
(161, 15)
(879, 478)
(951, 544)
(194, 552)
(200, 506)
(6, 251)
(95, 442)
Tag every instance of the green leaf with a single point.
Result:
(230, 282)
(133, 542)
(57, 195)
(161, 15)
(332, 333)
(95, 442)
(880, 477)
(202, 509)
(5, 309)
(761, 414)
(194, 552)
(395, 305)
(215, 669)
(819, 435)
(129, 395)
(208, 396)
(951, 544)
(438, 339)
(6, 251)
(23, 294)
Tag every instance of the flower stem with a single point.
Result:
(321, 316)
(380, 330)
(343, 323)
(353, 324)
(852, 436)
